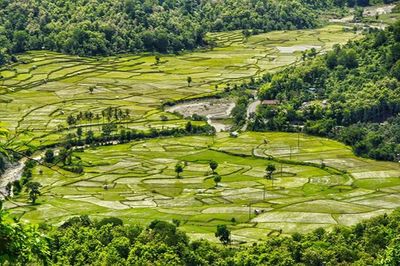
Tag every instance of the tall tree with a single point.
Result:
(270, 169)
(178, 169)
(213, 166)
(223, 234)
(33, 188)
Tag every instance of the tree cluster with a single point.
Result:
(352, 93)
(103, 27)
(83, 241)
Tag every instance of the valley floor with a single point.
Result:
(142, 185)
(136, 181)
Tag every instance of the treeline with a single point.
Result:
(351, 93)
(110, 134)
(82, 241)
(363, 3)
(102, 27)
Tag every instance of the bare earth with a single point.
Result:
(213, 109)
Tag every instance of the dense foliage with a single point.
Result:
(351, 93)
(101, 27)
(82, 241)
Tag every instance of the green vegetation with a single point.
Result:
(351, 94)
(33, 191)
(113, 160)
(108, 27)
(316, 183)
(83, 241)
(132, 84)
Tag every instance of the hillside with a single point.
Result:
(199, 132)
(82, 241)
(107, 27)
(351, 93)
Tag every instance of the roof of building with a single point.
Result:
(270, 102)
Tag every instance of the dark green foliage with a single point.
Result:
(239, 112)
(270, 169)
(82, 221)
(352, 94)
(213, 165)
(102, 27)
(80, 241)
(2, 163)
(33, 189)
(217, 179)
(21, 244)
(223, 234)
(178, 169)
(113, 221)
(396, 70)
(49, 156)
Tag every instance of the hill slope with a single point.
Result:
(352, 93)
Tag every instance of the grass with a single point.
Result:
(36, 98)
(143, 186)
(40, 93)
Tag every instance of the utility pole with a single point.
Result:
(249, 211)
(298, 141)
(264, 193)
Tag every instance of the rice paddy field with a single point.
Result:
(142, 185)
(39, 93)
(318, 182)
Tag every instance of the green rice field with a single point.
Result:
(317, 183)
(142, 185)
(38, 94)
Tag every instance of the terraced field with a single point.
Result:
(318, 182)
(37, 96)
(142, 185)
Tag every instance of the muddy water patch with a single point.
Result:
(296, 48)
(215, 110)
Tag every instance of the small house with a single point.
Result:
(234, 134)
(270, 102)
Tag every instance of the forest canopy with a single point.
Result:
(103, 27)
(83, 241)
(351, 93)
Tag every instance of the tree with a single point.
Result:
(20, 41)
(223, 234)
(178, 169)
(49, 156)
(79, 132)
(348, 58)
(396, 70)
(65, 156)
(331, 59)
(157, 58)
(33, 188)
(269, 171)
(213, 166)
(358, 14)
(189, 81)
(189, 127)
(217, 179)
(71, 120)
(89, 137)
(91, 89)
